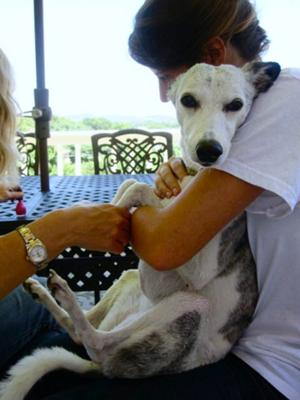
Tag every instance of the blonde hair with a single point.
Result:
(8, 150)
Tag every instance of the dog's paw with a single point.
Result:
(139, 194)
(122, 189)
(35, 289)
(61, 291)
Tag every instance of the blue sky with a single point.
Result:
(88, 69)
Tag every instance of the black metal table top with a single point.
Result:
(64, 191)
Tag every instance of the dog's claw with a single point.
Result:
(60, 290)
(33, 287)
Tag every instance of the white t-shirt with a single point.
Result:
(266, 153)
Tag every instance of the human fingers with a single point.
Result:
(178, 167)
(117, 228)
(124, 212)
(161, 189)
(10, 194)
(17, 188)
(167, 181)
(121, 242)
(123, 230)
(117, 239)
(14, 195)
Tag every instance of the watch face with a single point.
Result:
(38, 254)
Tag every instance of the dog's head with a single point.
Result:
(212, 102)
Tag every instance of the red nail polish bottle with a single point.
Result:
(20, 208)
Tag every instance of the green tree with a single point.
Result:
(65, 124)
(97, 123)
(25, 125)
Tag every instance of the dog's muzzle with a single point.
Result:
(208, 152)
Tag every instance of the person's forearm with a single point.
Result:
(100, 227)
(14, 266)
(167, 238)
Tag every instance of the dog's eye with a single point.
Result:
(189, 101)
(235, 105)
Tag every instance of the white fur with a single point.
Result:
(24, 374)
(165, 321)
(213, 88)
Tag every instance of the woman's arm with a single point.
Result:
(166, 238)
(95, 227)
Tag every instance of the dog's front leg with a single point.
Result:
(122, 189)
(111, 309)
(138, 194)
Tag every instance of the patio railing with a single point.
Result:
(61, 142)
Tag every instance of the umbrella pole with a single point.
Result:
(41, 111)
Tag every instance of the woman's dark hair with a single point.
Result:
(173, 33)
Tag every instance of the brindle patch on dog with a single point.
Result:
(186, 327)
(168, 348)
(235, 254)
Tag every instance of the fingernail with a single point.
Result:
(175, 191)
(168, 194)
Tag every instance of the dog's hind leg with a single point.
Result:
(41, 294)
(109, 311)
(101, 344)
(160, 340)
(170, 322)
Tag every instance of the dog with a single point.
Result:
(151, 322)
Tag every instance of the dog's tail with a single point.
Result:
(30, 369)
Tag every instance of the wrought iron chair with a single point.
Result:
(130, 151)
(26, 145)
(91, 271)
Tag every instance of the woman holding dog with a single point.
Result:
(260, 176)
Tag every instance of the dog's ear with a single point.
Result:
(262, 74)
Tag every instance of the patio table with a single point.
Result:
(83, 269)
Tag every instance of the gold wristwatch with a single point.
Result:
(36, 250)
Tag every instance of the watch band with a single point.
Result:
(31, 243)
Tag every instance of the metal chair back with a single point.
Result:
(27, 147)
(130, 151)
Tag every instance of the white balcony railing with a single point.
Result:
(59, 140)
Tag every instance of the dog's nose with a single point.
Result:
(208, 151)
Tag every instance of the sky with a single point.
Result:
(88, 69)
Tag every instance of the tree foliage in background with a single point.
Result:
(58, 124)
(25, 125)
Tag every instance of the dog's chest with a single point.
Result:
(198, 271)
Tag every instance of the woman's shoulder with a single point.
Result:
(290, 74)
(283, 96)
(288, 79)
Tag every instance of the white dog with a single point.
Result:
(152, 322)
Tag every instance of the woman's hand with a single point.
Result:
(168, 177)
(7, 193)
(103, 227)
